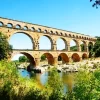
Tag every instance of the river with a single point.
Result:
(67, 78)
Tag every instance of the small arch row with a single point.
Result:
(45, 31)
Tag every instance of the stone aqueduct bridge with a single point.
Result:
(10, 27)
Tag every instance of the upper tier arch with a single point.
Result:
(35, 31)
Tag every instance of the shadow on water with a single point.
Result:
(41, 78)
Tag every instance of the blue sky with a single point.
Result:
(72, 15)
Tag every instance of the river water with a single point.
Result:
(67, 78)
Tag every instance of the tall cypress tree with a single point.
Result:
(5, 48)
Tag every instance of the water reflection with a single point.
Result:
(41, 78)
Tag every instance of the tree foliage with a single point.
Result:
(73, 48)
(87, 86)
(23, 59)
(96, 48)
(55, 85)
(96, 3)
(43, 57)
(5, 48)
(14, 87)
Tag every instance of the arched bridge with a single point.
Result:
(10, 27)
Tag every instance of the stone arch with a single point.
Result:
(56, 33)
(80, 37)
(10, 25)
(25, 28)
(1, 23)
(29, 56)
(49, 38)
(70, 35)
(76, 36)
(51, 32)
(73, 36)
(32, 29)
(39, 30)
(63, 57)
(50, 58)
(64, 43)
(18, 32)
(61, 33)
(74, 45)
(84, 56)
(65, 34)
(75, 57)
(18, 26)
(45, 31)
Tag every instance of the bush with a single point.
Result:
(14, 87)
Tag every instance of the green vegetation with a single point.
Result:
(82, 47)
(55, 85)
(85, 86)
(73, 48)
(96, 49)
(14, 87)
(5, 48)
(23, 59)
(43, 57)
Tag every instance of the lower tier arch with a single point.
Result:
(63, 57)
(75, 57)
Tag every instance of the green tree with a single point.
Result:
(5, 48)
(55, 85)
(82, 47)
(86, 86)
(23, 59)
(43, 57)
(96, 48)
(73, 48)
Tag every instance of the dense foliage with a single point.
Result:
(87, 86)
(23, 59)
(73, 48)
(55, 85)
(14, 87)
(5, 48)
(96, 48)
(43, 57)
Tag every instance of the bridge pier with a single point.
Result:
(68, 47)
(70, 60)
(79, 48)
(55, 61)
(81, 59)
(37, 62)
(87, 49)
